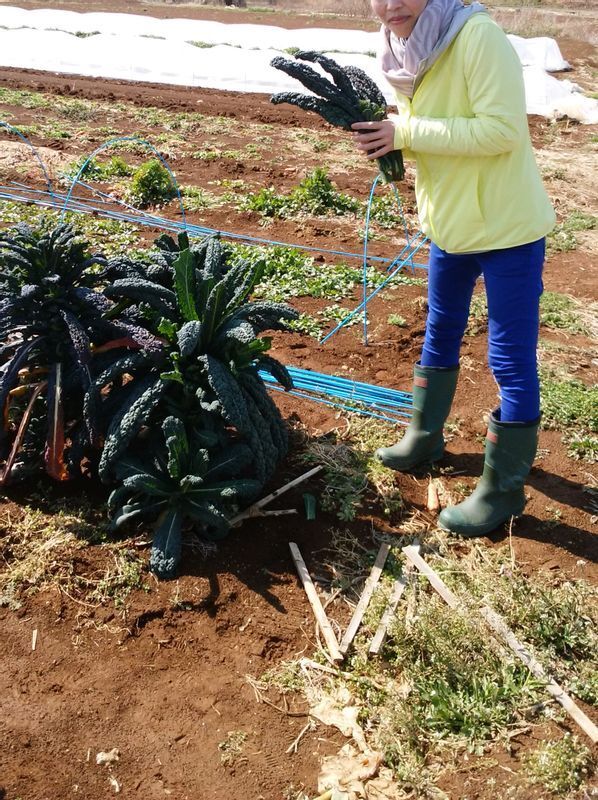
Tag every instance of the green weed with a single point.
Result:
(478, 315)
(46, 130)
(582, 447)
(560, 766)
(308, 325)
(231, 748)
(562, 238)
(76, 110)
(96, 170)
(315, 195)
(568, 404)
(397, 319)
(559, 311)
(151, 185)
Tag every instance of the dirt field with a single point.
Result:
(164, 680)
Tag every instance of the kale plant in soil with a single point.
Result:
(207, 377)
(53, 327)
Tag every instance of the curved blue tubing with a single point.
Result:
(111, 142)
(23, 138)
(412, 247)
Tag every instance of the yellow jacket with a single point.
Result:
(477, 186)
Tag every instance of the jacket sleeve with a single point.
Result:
(496, 94)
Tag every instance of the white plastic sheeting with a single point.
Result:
(236, 58)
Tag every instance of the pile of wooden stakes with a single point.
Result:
(337, 651)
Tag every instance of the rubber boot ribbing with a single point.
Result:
(510, 452)
(423, 442)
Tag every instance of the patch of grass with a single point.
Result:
(25, 99)
(288, 272)
(52, 131)
(562, 238)
(108, 236)
(561, 766)
(478, 315)
(214, 153)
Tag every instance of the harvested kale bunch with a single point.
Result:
(351, 96)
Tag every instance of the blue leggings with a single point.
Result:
(513, 281)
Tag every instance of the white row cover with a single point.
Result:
(126, 48)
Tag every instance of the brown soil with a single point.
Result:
(165, 684)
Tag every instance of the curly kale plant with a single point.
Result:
(212, 353)
(351, 96)
(53, 322)
(183, 480)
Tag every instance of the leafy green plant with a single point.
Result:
(350, 97)
(206, 374)
(211, 352)
(151, 185)
(397, 319)
(286, 272)
(582, 447)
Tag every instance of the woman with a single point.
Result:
(462, 117)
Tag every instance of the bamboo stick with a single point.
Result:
(414, 557)
(398, 588)
(255, 509)
(366, 596)
(312, 596)
(499, 626)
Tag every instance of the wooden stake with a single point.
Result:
(366, 596)
(34, 639)
(312, 596)
(499, 626)
(398, 588)
(254, 510)
(433, 503)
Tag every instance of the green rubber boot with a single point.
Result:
(510, 452)
(433, 392)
